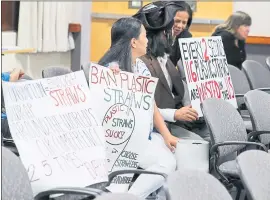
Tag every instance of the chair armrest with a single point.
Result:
(139, 171)
(227, 143)
(69, 190)
(132, 171)
(245, 116)
(239, 95)
(8, 140)
(264, 89)
(254, 134)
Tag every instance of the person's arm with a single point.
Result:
(160, 125)
(229, 44)
(168, 114)
(13, 76)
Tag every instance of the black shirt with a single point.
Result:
(236, 55)
(176, 53)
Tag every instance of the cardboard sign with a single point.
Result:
(59, 138)
(206, 70)
(124, 103)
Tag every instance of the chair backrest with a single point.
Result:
(189, 184)
(26, 77)
(254, 166)
(186, 98)
(181, 69)
(15, 181)
(117, 196)
(55, 71)
(267, 60)
(258, 76)
(239, 81)
(225, 124)
(85, 68)
(258, 104)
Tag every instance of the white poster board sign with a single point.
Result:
(124, 103)
(206, 70)
(58, 136)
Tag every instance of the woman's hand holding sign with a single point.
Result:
(171, 142)
(114, 66)
(186, 113)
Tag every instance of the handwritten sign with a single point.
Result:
(206, 70)
(124, 103)
(59, 138)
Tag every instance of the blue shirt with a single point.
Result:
(5, 77)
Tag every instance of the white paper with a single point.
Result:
(59, 138)
(124, 103)
(206, 70)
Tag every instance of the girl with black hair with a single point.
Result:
(128, 42)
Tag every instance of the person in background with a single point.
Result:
(12, 76)
(234, 32)
(129, 42)
(182, 22)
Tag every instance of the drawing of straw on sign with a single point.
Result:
(118, 123)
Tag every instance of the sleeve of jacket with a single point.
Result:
(168, 114)
(228, 44)
(176, 53)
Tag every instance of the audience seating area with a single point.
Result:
(239, 156)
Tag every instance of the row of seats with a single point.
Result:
(226, 126)
(252, 76)
(229, 136)
(253, 165)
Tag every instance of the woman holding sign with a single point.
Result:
(129, 42)
(234, 33)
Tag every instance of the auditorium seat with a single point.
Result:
(254, 167)
(267, 60)
(192, 185)
(240, 84)
(228, 136)
(85, 67)
(181, 70)
(241, 87)
(118, 196)
(55, 71)
(137, 172)
(26, 77)
(258, 104)
(186, 99)
(16, 183)
(257, 75)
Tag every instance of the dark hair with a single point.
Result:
(176, 54)
(158, 22)
(234, 21)
(123, 30)
(159, 42)
(183, 6)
